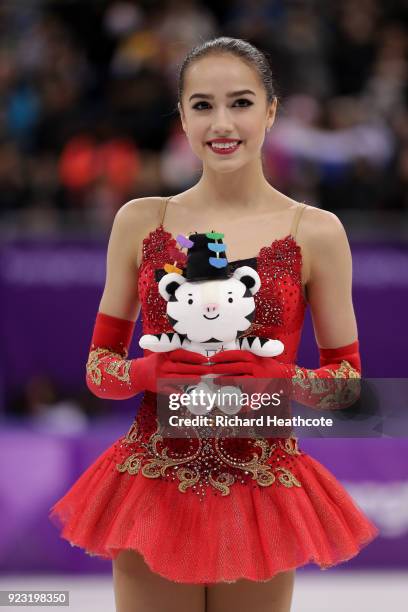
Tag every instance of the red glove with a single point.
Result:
(246, 364)
(259, 374)
(325, 387)
(110, 375)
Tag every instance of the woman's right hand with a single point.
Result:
(111, 376)
(176, 364)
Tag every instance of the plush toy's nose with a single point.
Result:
(211, 308)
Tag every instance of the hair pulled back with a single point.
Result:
(235, 46)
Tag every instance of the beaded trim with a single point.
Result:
(210, 464)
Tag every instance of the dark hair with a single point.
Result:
(238, 47)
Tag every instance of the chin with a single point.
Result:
(225, 167)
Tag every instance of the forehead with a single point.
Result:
(219, 74)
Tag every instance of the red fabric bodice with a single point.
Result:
(216, 463)
(280, 304)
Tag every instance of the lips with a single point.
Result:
(223, 146)
(226, 140)
(211, 318)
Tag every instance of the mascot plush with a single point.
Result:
(209, 306)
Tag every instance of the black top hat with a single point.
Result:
(206, 259)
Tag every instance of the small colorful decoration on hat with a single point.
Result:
(217, 248)
(172, 268)
(205, 258)
(184, 243)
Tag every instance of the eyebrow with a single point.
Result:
(229, 95)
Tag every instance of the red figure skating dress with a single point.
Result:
(212, 510)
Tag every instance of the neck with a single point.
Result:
(243, 189)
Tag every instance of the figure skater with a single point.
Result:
(211, 525)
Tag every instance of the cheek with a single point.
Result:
(196, 140)
(196, 128)
(255, 129)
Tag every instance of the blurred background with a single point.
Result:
(88, 120)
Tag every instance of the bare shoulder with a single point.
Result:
(325, 244)
(322, 230)
(141, 212)
(135, 220)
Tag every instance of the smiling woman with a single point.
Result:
(221, 524)
(229, 122)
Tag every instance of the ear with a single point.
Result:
(169, 285)
(249, 277)
(182, 118)
(271, 113)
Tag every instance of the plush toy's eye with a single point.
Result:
(190, 301)
(230, 300)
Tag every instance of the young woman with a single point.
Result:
(220, 529)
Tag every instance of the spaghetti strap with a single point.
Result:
(164, 209)
(296, 219)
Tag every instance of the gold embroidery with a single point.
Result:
(157, 467)
(222, 482)
(336, 394)
(345, 370)
(196, 469)
(118, 368)
(309, 381)
(287, 478)
(131, 464)
(260, 471)
(290, 446)
(342, 396)
(188, 479)
(133, 434)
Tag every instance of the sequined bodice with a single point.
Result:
(213, 465)
(280, 304)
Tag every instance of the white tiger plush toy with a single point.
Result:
(209, 307)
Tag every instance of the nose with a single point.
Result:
(211, 308)
(222, 123)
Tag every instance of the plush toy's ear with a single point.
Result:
(169, 284)
(249, 277)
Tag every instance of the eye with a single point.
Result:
(190, 301)
(246, 103)
(198, 104)
(230, 300)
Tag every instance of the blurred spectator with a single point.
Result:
(303, 51)
(179, 166)
(182, 25)
(45, 407)
(86, 163)
(354, 41)
(42, 408)
(88, 92)
(13, 180)
(88, 117)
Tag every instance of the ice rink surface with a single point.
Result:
(314, 592)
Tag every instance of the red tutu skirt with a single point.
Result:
(254, 532)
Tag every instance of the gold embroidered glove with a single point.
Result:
(110, 375)
(335, 385)
(329, 387)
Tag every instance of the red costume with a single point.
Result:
(217, 509)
